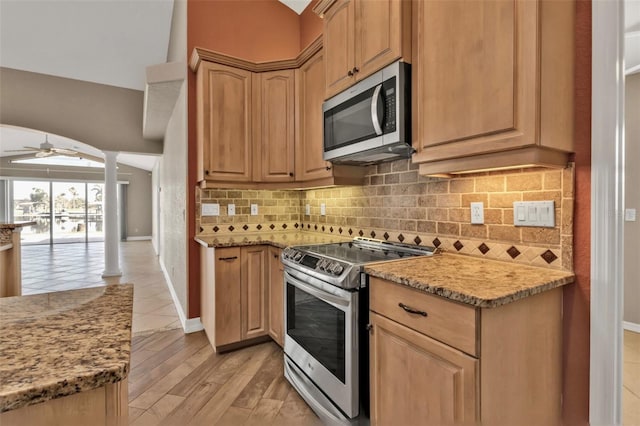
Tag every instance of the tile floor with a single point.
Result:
(631, 379)
(79, 265)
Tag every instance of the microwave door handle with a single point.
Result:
(374, 109)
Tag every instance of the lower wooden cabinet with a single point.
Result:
(242, 292)
(512, 377)
(276, 296)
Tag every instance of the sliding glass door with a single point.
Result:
(64, 212)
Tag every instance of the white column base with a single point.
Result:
(107, 274)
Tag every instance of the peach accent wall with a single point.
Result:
(310, 25)
(577, 296)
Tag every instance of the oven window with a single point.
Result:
(319, 328)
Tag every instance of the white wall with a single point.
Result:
(632, 200)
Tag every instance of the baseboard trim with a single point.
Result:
(190, 325)
(631, 326)
(143, 238)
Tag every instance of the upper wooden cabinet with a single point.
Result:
(492, 84)
(260, 124)
(273, 127)
(224, 123)
(361, 37)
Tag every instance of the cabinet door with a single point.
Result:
(383, 29)
(309, 144)
(416, 380)
(227, 296)
(276, 296)
(474, 76)
(253, 279)
(273, 128)
(224, 123)
(339, 47)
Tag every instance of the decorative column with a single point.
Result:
(110, 216)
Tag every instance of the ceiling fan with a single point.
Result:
(46, 149)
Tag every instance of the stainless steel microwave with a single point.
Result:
(371, 121)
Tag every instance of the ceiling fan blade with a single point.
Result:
(43, 154)
(22, 150)
(64, 151)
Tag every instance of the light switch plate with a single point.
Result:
(323, 209)
(307, 209)
(254, 209)
(231, 209)
(210, 209)
(539, 214)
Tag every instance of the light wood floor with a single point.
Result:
(631, 379)
(177, 379)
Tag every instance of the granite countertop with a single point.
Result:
(16, 225)
(277, 239)
(58, 344)
(478, 282)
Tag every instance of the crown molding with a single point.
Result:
(200, 54)
(322, 6)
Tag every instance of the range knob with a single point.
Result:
(320, 264)
(337, 269)
(297, 256)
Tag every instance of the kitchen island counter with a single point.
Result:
(64, 343)
(478, 282)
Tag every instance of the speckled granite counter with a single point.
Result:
(58, 344)
(277, 239)
(6, 229)
(479, 282)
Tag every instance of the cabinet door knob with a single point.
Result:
(328, 168)
(350, 73)
(412, 310)
(291, 174)
(356, 69)
(206, 172)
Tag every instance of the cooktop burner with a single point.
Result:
(358, 253)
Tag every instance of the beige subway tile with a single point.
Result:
(413, 166)
(391, 224)
(376, 202)
(400, 166)
(566, 244)
(493, 216)
(524, 182)
(460, 185)
(409, 177)
(473, 231)
(553, 180)
(385, 190)
(460, 215)
(407, 225)
(364, 221)
(448, 200)
(377, 180)
(504, 233)
(555, 196)
(438, 187)
(467, 199)
(377, 222)
(568, 181)
(490, 184)
(507, 216)
(417, 213)
(566, 220)
(541, 235)
(426, 226)
(504, 200)
(391, 179)
(384, 168)
(398, 212)
(216, 193)
(438, 214)
(448, 228)
(427, 201)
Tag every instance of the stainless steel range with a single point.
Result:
(326, 311)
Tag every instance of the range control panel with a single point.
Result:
(327, 266)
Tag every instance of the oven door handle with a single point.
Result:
(314, 291)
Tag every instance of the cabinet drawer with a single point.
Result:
(448, 322)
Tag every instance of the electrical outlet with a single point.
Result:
(477, 213)
(254, 209)
(231, 210)
(539, 214)
(210, 209)
(323, 209)
(307, 209)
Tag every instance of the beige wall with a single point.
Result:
(138, 200)
(632, 200)
(399, 205)
(106, 117)
(172, 178)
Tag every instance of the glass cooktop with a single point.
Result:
(360, 251)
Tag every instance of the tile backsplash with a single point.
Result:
(397, 204)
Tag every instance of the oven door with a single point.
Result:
(321, 339)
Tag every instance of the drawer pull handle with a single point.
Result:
(228, 258)
(411, 310)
